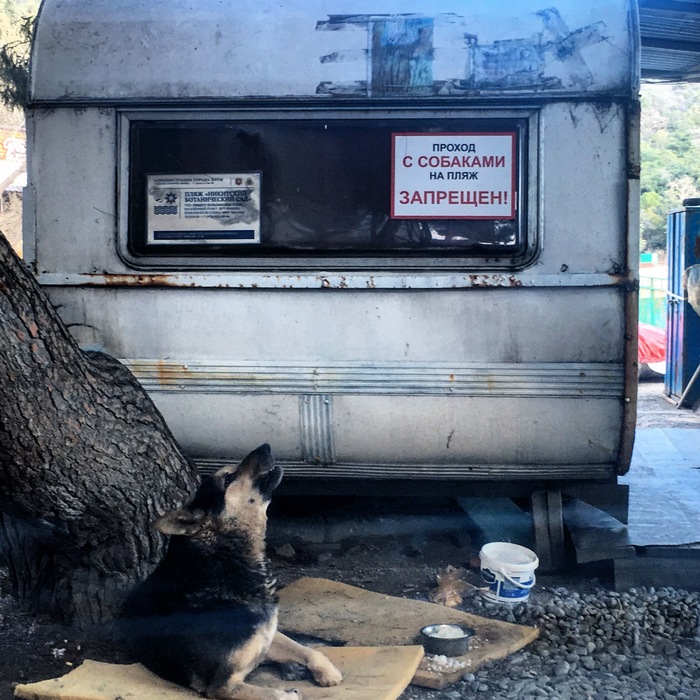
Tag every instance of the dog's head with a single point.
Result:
(233, 498)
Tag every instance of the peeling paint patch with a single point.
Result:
(402, 55)
(404, 47)
(343, 56)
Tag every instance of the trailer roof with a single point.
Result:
(182, 50)
(670, 37)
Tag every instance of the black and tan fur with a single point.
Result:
(207, 616)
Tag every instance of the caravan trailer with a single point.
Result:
(397, 240)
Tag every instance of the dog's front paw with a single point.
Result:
(324, 672)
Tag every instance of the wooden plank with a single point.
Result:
(549, 529)
(595, 534)
(612, 499)
(369, 673)
(555, 515)
(543, 545)
(339, 612)
(499, 519)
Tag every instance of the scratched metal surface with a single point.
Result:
(504, 370)
(383, 48)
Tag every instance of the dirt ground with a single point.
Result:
(655, 410)
(402, 565)
(407, 566)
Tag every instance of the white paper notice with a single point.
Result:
(453, 176)
(220, 209)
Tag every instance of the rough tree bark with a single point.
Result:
(86, 462)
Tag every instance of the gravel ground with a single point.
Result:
(600, 645)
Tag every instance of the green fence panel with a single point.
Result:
(652, 302)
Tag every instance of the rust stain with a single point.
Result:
(490, 382)
(162, 372)
(495, 281)
(619, 279)
(110, 280)
(169, 374)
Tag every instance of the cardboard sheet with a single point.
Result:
(368, 674)
(341, 613)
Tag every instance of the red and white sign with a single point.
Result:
(453, 176)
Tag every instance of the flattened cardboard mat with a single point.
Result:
(341, 613)
(369, 673)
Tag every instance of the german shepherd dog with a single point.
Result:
(207, 615)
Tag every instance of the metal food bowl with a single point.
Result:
(446, 640)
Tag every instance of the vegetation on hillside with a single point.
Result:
(670, 156)
(16, 26)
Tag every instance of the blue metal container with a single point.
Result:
(683, 324)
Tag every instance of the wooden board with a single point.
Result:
(338, 612)
(369, 673)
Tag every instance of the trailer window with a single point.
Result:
(345, 188)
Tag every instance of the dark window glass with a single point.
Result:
(326, 187)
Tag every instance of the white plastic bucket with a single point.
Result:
(508, 571)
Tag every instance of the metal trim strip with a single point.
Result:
(316, 427)
(417, 472)
(348, 279)
(561, 380)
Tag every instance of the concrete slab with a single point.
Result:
(664, 500)
(664, 482)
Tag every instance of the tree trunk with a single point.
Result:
(86, 462)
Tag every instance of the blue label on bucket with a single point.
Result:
(506, 590)
(503, 590)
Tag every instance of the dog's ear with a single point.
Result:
(181, 522)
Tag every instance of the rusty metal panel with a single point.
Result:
(401, 367)
(515, 326)
(482, 376)
(554, 434)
